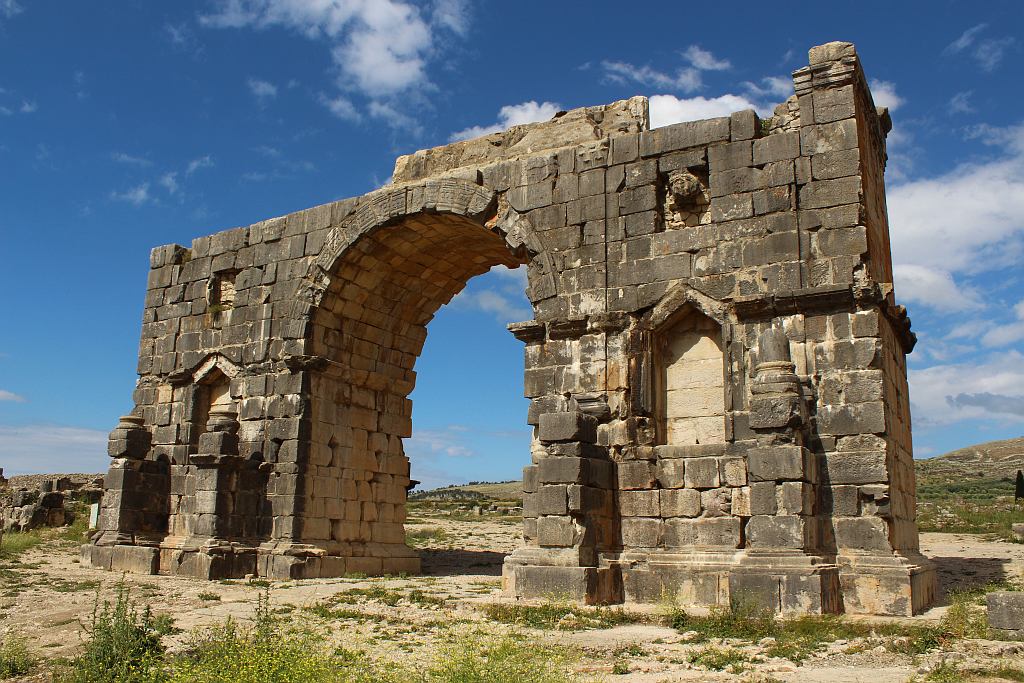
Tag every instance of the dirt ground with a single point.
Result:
(49, 596)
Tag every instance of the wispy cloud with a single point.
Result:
(685, 79)
(960, 103)
(341, 107)
(39, 449)
(136, 196)
(511, 115)
(500, 293)
(169, 181)
(205, 161)
(705, 61)
(9, 8)
(775, 87)
(28, 107)
(262, 90)
(987, 52)
(130, 159)
(11, 396)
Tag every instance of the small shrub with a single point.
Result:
(124, 645)
(419, 538)
(742, 620)
(207, 596)
(15, 659)
(620, 668)
(719, 659)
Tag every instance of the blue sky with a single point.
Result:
(125, 125)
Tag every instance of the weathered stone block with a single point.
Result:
(1005, 610)
(571, 426)
(680, 503)
(640, 503)
(671, 473)
(635, 474)
(641, 532)
(702, 473)
(556, 532)
(776, 531)
(719, 532)
(778, 463)
(862, 533)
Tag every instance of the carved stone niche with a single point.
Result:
(689, 380)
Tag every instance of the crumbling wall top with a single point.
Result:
(565, 129)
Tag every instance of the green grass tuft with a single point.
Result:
(561, 615)
(15, 659)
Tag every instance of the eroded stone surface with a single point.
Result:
(716, 364)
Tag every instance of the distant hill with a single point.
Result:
(989, 460)
(503, 490)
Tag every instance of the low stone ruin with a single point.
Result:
(24, 509)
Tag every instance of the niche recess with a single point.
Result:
(690, 380)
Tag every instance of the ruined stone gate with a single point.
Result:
(716, 364)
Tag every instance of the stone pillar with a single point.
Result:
(210, 552)
(568, 492)
(119, 542)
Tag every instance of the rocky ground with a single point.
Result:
(45, 597)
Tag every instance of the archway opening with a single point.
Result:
(371, 327)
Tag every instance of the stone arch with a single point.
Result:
(377, 283)
(448, 196)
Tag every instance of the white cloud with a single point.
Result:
(669, 109)
(341, 107)
(169, 181)
(205, 161)
(8, 8)
(1010, 333)
(28, 107)
(262, 89)
(380, 48)
(123, 158)
(438, 442)
(987, 52)
(884, 94)
(968, 220)
(704, 60)
(11, 396)
(38, 449)
(960, 103)
(989, 388)
(932, 287)
(506, 307)
(685, 80)
(511, 115)
(136, 196)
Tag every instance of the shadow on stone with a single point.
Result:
(962, 573)
(458, 562)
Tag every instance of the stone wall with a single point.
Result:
(716, 364)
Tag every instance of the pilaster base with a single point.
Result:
(235, 561)
(783, 582)
(887, 584)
